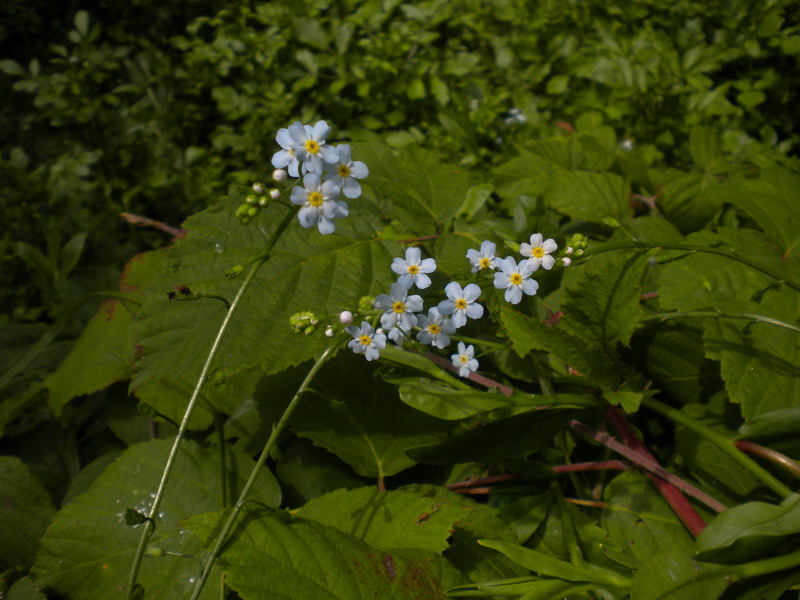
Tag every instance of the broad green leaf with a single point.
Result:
(389, 519)
(675, 576)
(590, 196)
(705, 146)
(526, 173)
(688, 200)
(25, 511)
(477, 196)
(102, 355)
(640, 521)
(449, 404)
(529, 334)
(524, 588)
(546, 565)
(772, 201)
(422, 192)
(603, 304)
(307, 271)
(513, 436)
(674, 357)
(706, 461)
(87, 550)
(748, 531)
(306, 472)
(24, 589)
(366, 425)
(775, 423)
(276, 556)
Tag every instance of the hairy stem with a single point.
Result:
(149, 525)
(714, 314)
(221, 537)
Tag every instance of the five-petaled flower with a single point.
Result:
(464, 360)
(514, 279)
(319, 204)
(366, 341)
(399, 307)
(346, 172)
(286, 158)
(412, 271)
(309, 146)
(538, 252)
(461, 303)
(435, 329)
(483, 258)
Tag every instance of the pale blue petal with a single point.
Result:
(413, 255)
(530, 286)
(325, 226)
(459, 318)
(388, 319)
(474, 311)
(358, 170)
(446, 307)
(297, 132)
(398, 292)
(329, 154)
(423, 281)
(513, 294)
(453, 291)
(472, 292)
(427, 266)
(351, 188)
(308, 216)
(320, 131)
(414, 304)
(299, 195)
(345, 153)
(407, 321)
(383, 302)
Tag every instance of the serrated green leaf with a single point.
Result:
(640, 521)
(590, 196)
(388, 519)
(25, 512)
(368, 427)
(88, 549)
(746, 532)
(772, 201)
(307, 271)
(275, 556)
(527, 173)
(424, 192)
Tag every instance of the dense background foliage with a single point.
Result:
(657, 122)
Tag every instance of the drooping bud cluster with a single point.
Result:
(305, 322)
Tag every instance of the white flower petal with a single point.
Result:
(548, 262)
(427, 266)
(513, 294)
(474, 311)
(472, 292)
(423, 281)
(413, 255)
(549, 246)
(536, 239)
(358, 170)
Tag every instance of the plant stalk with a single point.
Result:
(262, 459)
(149, 525)
(703, 314)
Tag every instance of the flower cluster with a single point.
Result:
(402, 311)
(327, 173)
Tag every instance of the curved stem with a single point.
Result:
(692, 248)
(221, 537)
(149, 525)
(723, 443)
(703, 314)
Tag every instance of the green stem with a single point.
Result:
(693, 248)
(221, 537)
(703, 314)
(723, 443)
(149, 525)
(482, 343)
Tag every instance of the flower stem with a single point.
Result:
(693, 248)
(149, 525)
(726, 445)
(265, 452)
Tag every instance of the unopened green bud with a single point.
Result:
(251, 199)
(234, 272)
(258, 188)
(263, 200)
(302, 321)
(310, 329)
(365, 304)
(252, 211)
(241, 211)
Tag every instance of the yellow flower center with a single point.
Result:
(538, 252)
(399, 307)
(312, 147)
(365, 340)
(343, 171)
(433, 329)
(461, 304)
(485, 263)
(464, 359)
(413, 269)
(516, 278)
(315, 199)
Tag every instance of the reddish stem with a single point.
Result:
(773, 456)
(476, 377)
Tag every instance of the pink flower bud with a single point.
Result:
(346, 317)
(279, 175)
